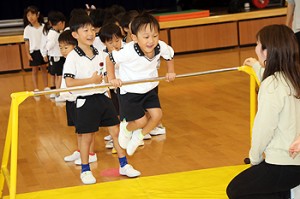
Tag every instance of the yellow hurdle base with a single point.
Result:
(203, 184)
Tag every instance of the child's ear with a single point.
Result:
(134, 38)
(75, 35)
(126, 29)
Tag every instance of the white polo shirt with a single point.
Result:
(133, 65)
(34, 35)
(52, 44)
(79, 66)
(98, 44)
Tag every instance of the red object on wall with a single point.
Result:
(188, 14)
(260, 3)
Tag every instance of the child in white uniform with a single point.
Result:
(139, 60)
(85, 66)
(33, 22)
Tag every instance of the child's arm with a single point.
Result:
(95, 79)
(170, 76)
(110, 68)
(51, 40)
(27, 50)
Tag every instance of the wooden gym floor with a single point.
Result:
(207, 121)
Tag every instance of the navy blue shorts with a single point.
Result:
(70, 111)
(56, 66)
(133, 105)
(94, 111)
(37, 59)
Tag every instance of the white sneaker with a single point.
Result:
(134, 143)
(87, 177)
(129, 171)
(108, 138)
(37, 98)
(47, 89)
(124, 135)
(92, 158)
(147, 137)
(72, 157)
(52, 95)
(60, 99)
(158, 131)
(109, 144)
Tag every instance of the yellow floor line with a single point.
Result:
(201, 184)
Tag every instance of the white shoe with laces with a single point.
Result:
(159, 130)
(52, 95)
(74, 156)
(124, 135)
(147, 137)
(60, 98)
(129, 171)
(92, 158)
(109, 144)
(108, 138)
(37, 98)
(87, 177)
(134, 143)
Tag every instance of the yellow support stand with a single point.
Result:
(11, 145)
(254, 84)
(11, 141)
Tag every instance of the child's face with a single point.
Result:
(114, 44)
(65, 48)
(85, 35)
(32, 17)
(147, 38)
(62, 25)
(261, 54)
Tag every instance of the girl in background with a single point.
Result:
(33, 22)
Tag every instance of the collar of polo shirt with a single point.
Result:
(139, 51)
(80, 52)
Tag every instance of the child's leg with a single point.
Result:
(125, 168)
(138, 135)
(52, 80)
(153, 121)
(85, 143)
(34, 74)
(86, 174)
(58, 81)
(45, 75)
(137, 124)
(92, 154)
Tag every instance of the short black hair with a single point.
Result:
(66, 37)
(79, 21)
(108, 31)
(97, 16)
(142, 20)
(54, 17)
(128, 17)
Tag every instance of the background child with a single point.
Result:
(85, 66)
(111, 36)
(273, 172)
(293, 17)
(139, 60)
(33, 22)
(57, 21)
(97, 16)
(124, 23)
(66, 44)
